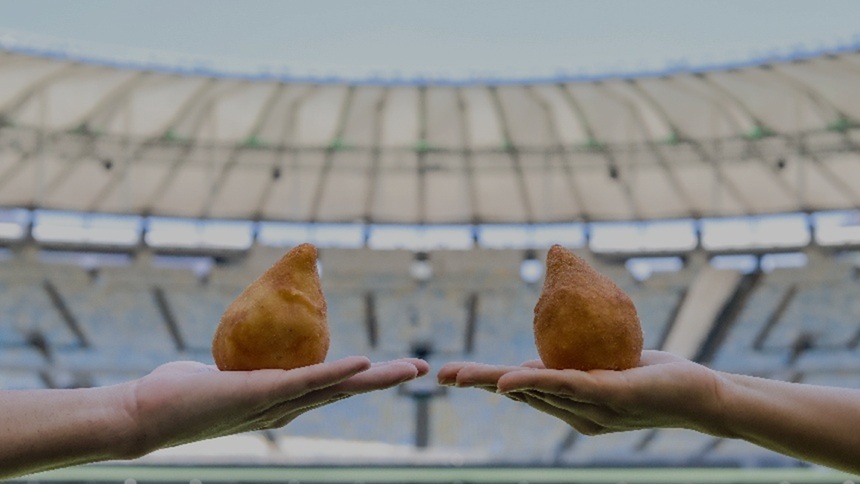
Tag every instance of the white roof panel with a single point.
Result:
(448, 189)
(684, 143)
(444, 119)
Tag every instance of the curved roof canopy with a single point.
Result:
(781, 136)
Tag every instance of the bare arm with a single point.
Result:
(177, 403)
(814, 423)
(817, 424)
(43, 429)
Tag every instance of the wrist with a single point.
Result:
(130, 439)
(726, 392)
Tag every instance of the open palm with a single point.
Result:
(186, 401)
(663, 391)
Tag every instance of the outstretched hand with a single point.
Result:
(663, 391)
(185, 401)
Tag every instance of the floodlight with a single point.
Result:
(421, 270)
(531, 269)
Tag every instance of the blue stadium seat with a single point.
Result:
(676, 446)
(606, 449)
(474, 420)
(347, 326)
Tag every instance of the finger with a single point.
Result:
(379, 377)
(580, 424)
(536, 364)
(483, 375)
(576, 385)
(595, 413)
(291, 415)
(291, 384)
(422, 366)
(447, 375)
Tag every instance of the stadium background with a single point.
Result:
(140, 198)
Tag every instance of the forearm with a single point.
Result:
(817, 424)
(45, 429)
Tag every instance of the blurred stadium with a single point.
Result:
(140, 199)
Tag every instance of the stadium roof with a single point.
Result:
(779, 135)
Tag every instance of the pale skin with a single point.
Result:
(814, 423)
(177, 403)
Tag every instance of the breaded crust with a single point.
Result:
(278, 321)
(583, 320)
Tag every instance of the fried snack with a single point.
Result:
(279, 320)
(582, 320)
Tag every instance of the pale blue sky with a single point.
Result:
(456, 39)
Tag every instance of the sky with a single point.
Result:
(447, 39)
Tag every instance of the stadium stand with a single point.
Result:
(64, 325)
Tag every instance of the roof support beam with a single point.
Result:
(468, 165)
(640, 124)
(824, 105)
(720, 177)
(375, 154)
(285, 146)
(694, 145)
(835, 180)
(227, 167)
(421, 156)
(564, 161)
(730, 97)
(204, 89)
(112, 101)
(715, 91)
(594, 144)
(720, 93)
(514, 155)
(23, 159)
(319, 191)
(108, 106)
(15, 104)
(205, 114)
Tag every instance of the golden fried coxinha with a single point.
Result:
(279, 320)
(582, 320)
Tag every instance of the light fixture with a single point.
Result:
(531, 269)
(421, 270)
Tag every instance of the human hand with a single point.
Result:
(663, 391)
(186, 401)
